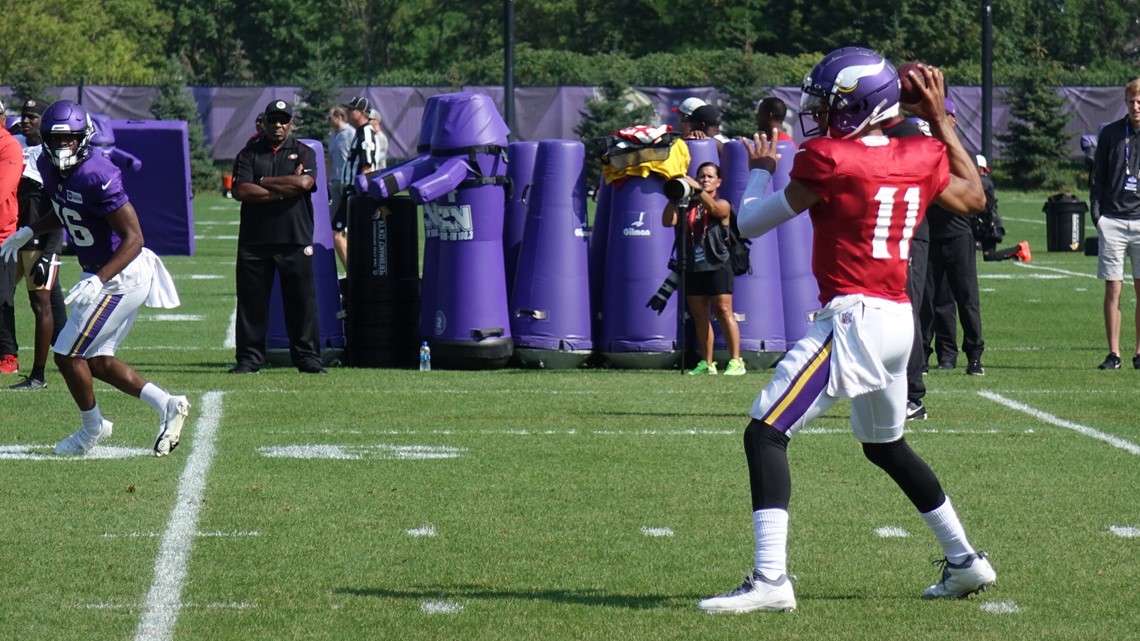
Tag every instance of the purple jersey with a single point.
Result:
(82, 199)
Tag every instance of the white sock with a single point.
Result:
(770, 527)
(92, 419)
(943, 521)
(155, 396)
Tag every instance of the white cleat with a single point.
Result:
(971, 576)
(757, 593)
(170, 427)
(82, 441)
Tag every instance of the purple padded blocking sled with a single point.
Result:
(550, 301)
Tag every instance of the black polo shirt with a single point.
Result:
(283, 222)
(1106, 187)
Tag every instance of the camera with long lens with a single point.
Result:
(678, 189)
(661, 298)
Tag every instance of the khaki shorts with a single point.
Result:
(1118, 237)
(26, 262)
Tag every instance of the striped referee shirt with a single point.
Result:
(365, 153)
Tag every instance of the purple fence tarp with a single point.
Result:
(541, 113)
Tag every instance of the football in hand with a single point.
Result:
(910, 88)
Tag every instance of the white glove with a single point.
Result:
(13, 243)
(85, 291)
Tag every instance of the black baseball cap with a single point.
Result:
(358, 102)
(277, 107)
(33, 106)
(707, 114)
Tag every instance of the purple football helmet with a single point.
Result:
(849, 89)
(63, 120)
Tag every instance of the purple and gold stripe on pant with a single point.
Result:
(94, 324)
(804, 388)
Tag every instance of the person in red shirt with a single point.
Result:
(865, 194)
(770, 114)
(11, 168)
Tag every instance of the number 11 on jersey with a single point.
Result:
(886, 221)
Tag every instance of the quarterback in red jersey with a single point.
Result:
(865, 194)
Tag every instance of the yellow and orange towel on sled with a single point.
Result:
(642, 150)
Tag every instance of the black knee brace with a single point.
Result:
(909, 471)
(768, 472)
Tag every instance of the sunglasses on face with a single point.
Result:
(279, 120)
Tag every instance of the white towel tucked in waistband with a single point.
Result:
(856, 369)
(162, 292)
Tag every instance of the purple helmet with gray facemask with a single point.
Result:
(849, 89)
(65, 119)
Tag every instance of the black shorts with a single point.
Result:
(340, 216)
(714, 283)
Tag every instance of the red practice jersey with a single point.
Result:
(873, 193)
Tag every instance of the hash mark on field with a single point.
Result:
(656, 531)
(1125, 531)
(203, 276)
(164, 599)
(97, 453)
(999, 607)
(360, 452)
(177, 317)
(440, 607)
(214, 534)
(422, 531)
(232, 605)
(1114, 441)
(892, 532)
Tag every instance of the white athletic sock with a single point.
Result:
(155, 396)
(770, 528)
(92, 419)
(943, 521)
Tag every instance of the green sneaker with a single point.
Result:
(703, 367)
(735, 367)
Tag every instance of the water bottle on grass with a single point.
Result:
(425, 357)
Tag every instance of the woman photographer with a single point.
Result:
(708, 274)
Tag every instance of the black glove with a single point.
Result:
(44, 268)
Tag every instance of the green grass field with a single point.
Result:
(518, 504)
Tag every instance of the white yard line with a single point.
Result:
(1127, 446)
(230, 341)
(164, 600)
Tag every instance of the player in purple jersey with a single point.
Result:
(119, 276)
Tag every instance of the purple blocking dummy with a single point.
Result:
(800, 291)
(104, 142)
(550, 302)
(160, 189)
(464, 204)
(757, 299)
(637, 262)
(391, 181)
(324, 279)
(520, 170)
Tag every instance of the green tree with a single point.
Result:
(100, 41)
(175, 103)
(318, 90)
(205, 37)
(1035, 146)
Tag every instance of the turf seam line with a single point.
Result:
(1127, 446)
(164, 599)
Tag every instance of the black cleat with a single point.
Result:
(915, 411)
(1112, 361)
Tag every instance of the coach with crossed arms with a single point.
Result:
(274, 177)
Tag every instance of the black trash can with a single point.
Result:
(1064, 223)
